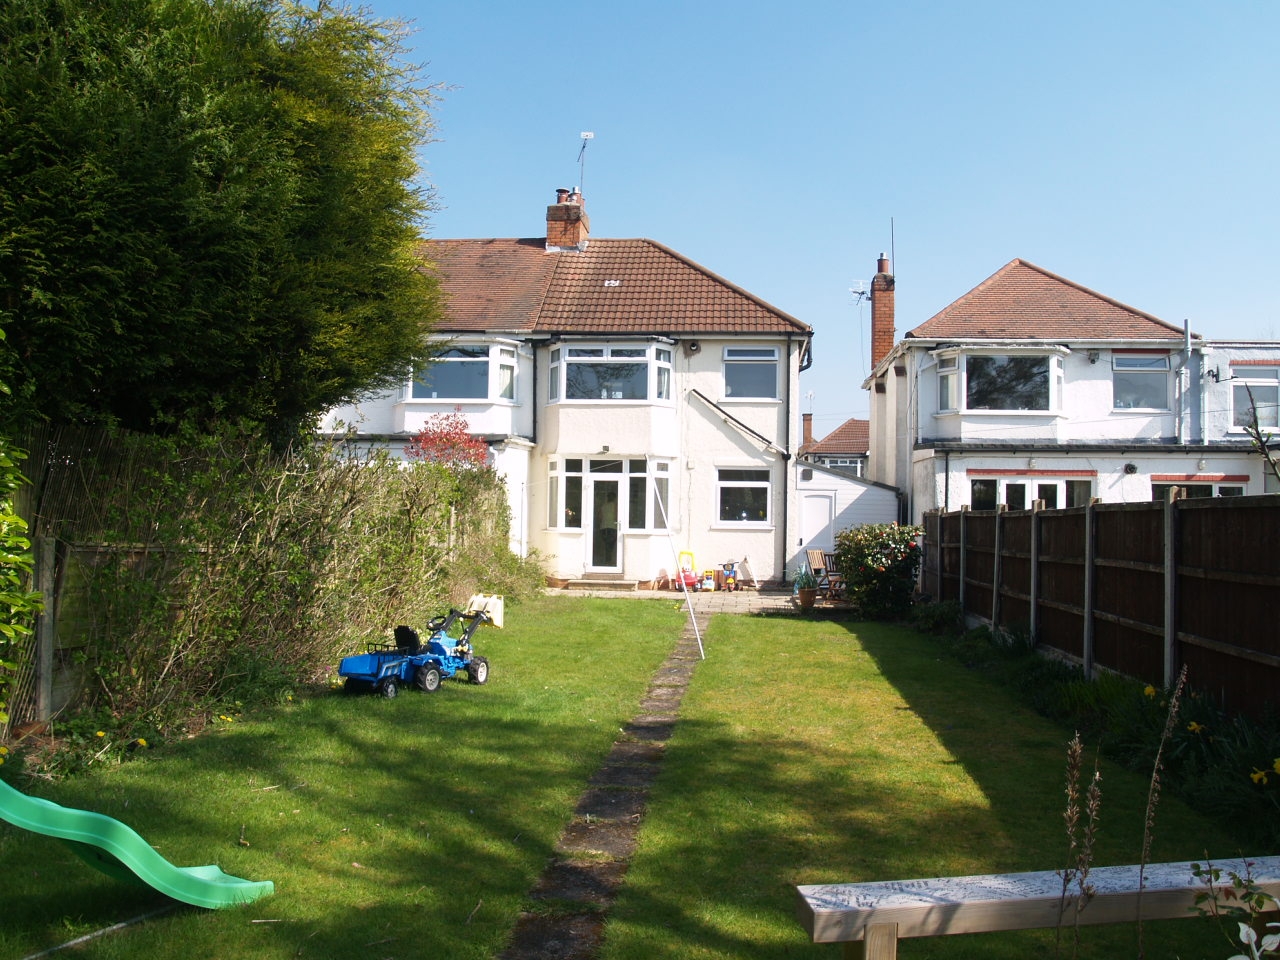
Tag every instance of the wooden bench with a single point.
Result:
(870, 918)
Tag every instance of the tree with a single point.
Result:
(1263, 442)
(446, 439)
(208, 210)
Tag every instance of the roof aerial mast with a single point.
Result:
(582, 161)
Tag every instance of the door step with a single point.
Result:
(620, 585)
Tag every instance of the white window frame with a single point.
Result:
(1143, 365)
(1255, 378)
(743, 358)
(725, 483)
(953, 380)
(501, 370)
(655, 357)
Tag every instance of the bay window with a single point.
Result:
(603, 372)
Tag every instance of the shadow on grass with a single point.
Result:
(854, 752)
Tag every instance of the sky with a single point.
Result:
(1130, 146)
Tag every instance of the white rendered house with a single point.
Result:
(637, 405)
(1033, 388)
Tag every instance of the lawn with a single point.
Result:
(807, 751)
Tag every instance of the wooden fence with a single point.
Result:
(1138, 588)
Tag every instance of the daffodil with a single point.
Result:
(1258, 776)
(1149, 692)
(1197, 727)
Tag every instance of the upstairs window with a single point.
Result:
(1255, 389)
(751, 373)
(948, 383)
(603, 372)
(1140, 381)
(468, 372)
(1008, 382)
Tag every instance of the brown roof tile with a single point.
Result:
(1024, 301)
(614, 287)
(851, 437)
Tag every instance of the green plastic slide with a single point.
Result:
(119, 852)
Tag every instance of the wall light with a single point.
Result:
(1200, 464)
(1031, 464)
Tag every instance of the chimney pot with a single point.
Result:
(561, 195)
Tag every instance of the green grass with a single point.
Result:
(807, 751)
(385, 825)
(813, 752)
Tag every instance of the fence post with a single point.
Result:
(45, 550)
(964, 545)
(997, 566)
(1171, 588)
(1090, 548)
(1034, 572)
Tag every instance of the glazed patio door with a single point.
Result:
(606, 541)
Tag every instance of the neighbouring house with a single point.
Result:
(844, 448)
(638, 406)
(1031, 387)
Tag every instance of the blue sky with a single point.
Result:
(1131, 146)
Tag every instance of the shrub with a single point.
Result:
(879, 562)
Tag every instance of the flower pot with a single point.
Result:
(807, 597)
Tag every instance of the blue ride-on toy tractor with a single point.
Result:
(387, 667)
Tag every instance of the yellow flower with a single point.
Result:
(1258, 776)
(142, 742)
(100, 733)
(1196, 727)
(1276, 765)
(1, 761)
(4, 751)
(1149, 692)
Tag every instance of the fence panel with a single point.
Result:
(1108, 607)
(1128, 598)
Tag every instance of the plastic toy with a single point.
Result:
(387, 667)
(120, 853)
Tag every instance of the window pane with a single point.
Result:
(1143, 390)
(744, 503)
(636, 503)
(453, 379)
(1124, 362)
(1231, 491)
(554, 518)
(664, 383)
(660, 503)
(1015, 496)
(606, 381)
(606, 466)
(982, 494)
(757, 476)
(1048, 492)
(573, 501)
(1264, 398)
(947, 391)
(507, 382)
(1008, 383)
(1079, 493)
(751, 380)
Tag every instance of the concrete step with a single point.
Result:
(625, 586)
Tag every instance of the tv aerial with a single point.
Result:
(586, 136)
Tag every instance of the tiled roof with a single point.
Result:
(1023, 301)
(614, 287)
(851, 437)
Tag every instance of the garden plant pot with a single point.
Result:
(807, 597)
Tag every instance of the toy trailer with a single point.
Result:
(386, 667)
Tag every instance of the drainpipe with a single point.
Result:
(946, 481)
(786, 466)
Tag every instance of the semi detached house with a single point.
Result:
(1031, 387)
(637, 405)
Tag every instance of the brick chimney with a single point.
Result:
(567, 223)
(806, 420)
(882, 335)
